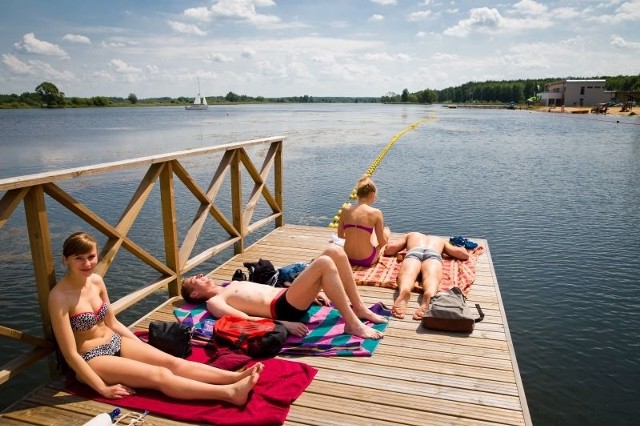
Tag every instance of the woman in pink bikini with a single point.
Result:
(362, 227)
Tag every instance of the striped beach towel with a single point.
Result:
(456, 273)
(326, 335)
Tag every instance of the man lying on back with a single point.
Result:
(330, 272)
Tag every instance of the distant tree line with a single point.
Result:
(47, 95)
(505, 91)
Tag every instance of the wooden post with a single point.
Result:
(42, 256)
(236, 201)
(169, 226)
(278, 183)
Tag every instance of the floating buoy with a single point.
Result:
(374, 165)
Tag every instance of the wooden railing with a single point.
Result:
(34, 190)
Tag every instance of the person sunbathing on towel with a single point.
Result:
(424, 255)
(330, 272)
(107, 356)
(362, 228)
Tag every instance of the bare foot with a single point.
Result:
(399, 307)
(239, 392)
(255, 368)
(368, 315)
(363, 331)
(419, 313)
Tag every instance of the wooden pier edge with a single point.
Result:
(415, 377)
(512, 351)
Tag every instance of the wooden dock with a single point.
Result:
(415, 377)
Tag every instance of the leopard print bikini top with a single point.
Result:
(86, 320)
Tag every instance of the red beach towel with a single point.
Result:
(280, 384)
(456, 273)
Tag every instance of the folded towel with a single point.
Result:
(337, 240)
(463, 242)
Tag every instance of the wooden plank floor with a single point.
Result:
(415, 377)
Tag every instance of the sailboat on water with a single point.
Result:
(199, 102)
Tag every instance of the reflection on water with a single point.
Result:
(557, 197)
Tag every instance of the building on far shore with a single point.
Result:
(572, 93)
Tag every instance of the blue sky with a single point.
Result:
(307, 47)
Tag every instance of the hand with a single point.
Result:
(322, 300)
(117, 391)
(296, 328)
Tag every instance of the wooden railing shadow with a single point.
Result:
(32, 192)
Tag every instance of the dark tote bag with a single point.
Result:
(171, 337)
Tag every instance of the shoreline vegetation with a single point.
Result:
(515, 93)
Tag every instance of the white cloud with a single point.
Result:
(238, 10)
(74, 38)
(104, 76)
(181, 27)
(35, 67)
(376, 18)
(627, 11)
(248, 53)
(419, 16)
(353, 72)
(15, 65)
(618, 41)
(219, 57)
(50, 73)
(323, 59)
(30, 44)
(385, 2)
(530, 7)
(199, 13)
(480, 19)
(112, 44)
(121, 67)
(490, 21)
(293, 69)
(299, 70)
(565, 13)
(444, 57)
(269, 70)
(384, 56)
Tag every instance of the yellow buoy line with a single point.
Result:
(375, 163)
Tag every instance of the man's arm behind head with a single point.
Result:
(455, 251)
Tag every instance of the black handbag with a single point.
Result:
(171, 337)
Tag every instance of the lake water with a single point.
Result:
(556, 195)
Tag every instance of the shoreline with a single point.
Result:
(587, 110)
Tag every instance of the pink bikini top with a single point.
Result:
(364, 228)
(86, 320)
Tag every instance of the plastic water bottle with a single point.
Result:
(103, 419)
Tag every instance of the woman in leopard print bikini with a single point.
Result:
(107, 356)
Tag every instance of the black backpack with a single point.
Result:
(238, 275)
(262, 272)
